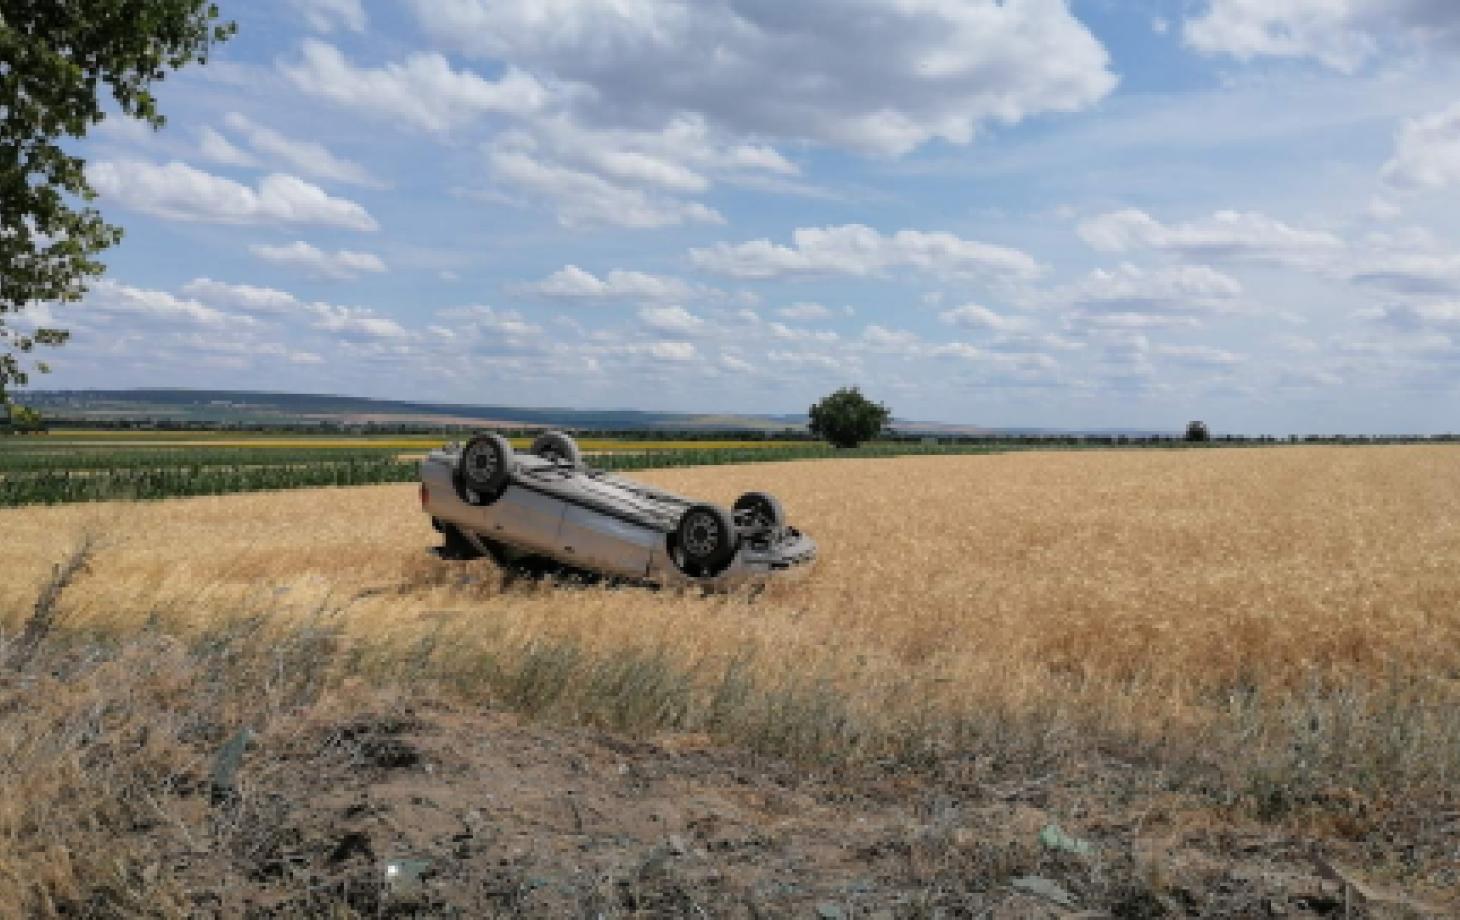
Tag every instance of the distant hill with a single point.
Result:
(264, 408)
(243, 407)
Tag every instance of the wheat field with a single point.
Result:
(1152, 585)
(1184, 571)
(1275, 632)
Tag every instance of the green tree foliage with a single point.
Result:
(55, 57)
(1197, 431)
(24, 420)
(846, 418)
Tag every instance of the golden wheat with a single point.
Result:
(1161, 577)
(1274, 629)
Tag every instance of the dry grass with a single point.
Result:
(1279, 629)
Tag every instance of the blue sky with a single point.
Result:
(1031, 213)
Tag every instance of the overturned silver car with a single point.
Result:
(486, 499)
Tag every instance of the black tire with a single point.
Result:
(760, 511)
(555, 445)
(705, 540)
(485, 467)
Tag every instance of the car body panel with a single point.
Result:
(595, 520)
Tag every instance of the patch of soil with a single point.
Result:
(471, 814)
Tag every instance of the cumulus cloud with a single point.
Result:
(1245, 235)
(654, 170)
(1342, 35)
(860, 251)
(219, 149)
(1177, 289)
(876, 75)
(973, 316)
(671, 320)
(246, 297)
(482, 320)
(1411, 273)
(585, 199)
(673, 351)
(342, 265)
(308, 157)
(573, 283)
(176, 191)
(1427, 152)
(328, 15)
(355, 322)
(424, 92)
(110, 297)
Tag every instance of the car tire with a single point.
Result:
(484, 468)
(761, 511)
(705, 540)
(555, 445)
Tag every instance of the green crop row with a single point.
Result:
(108, 458)
(86, 481)
(59, 487)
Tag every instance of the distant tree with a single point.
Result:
(54, 56)
(846, 418)
(1197, 431)
(22, 420)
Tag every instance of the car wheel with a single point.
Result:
(484, 467)
(759, 511)
(705, 540)
(558, 447)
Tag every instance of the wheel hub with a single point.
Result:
(701, 537)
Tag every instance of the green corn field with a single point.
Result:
(54, 476)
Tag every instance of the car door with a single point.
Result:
(604, 543)
(525, 518)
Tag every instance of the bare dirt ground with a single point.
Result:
(1130, 684)
(482, 815)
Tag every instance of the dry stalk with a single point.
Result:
(43, 617)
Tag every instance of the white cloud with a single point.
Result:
(1342, 34)
(875, 75)
(671, 320)
(673, 351)
(782, 331)
(219, 149)
(177, 191)
(245, 297)
(860, 251)
(805, 312)
(1410, 272)
(898, 341)
(1225, 235)
(110, 297)
(482, 320)
(355, 321)
(1427, 152)
(327, 15)
(340, 266)
(973, 316)
(573, 283)
(584, 199)
(308, 157)
(424, 92)
(1178, 289)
